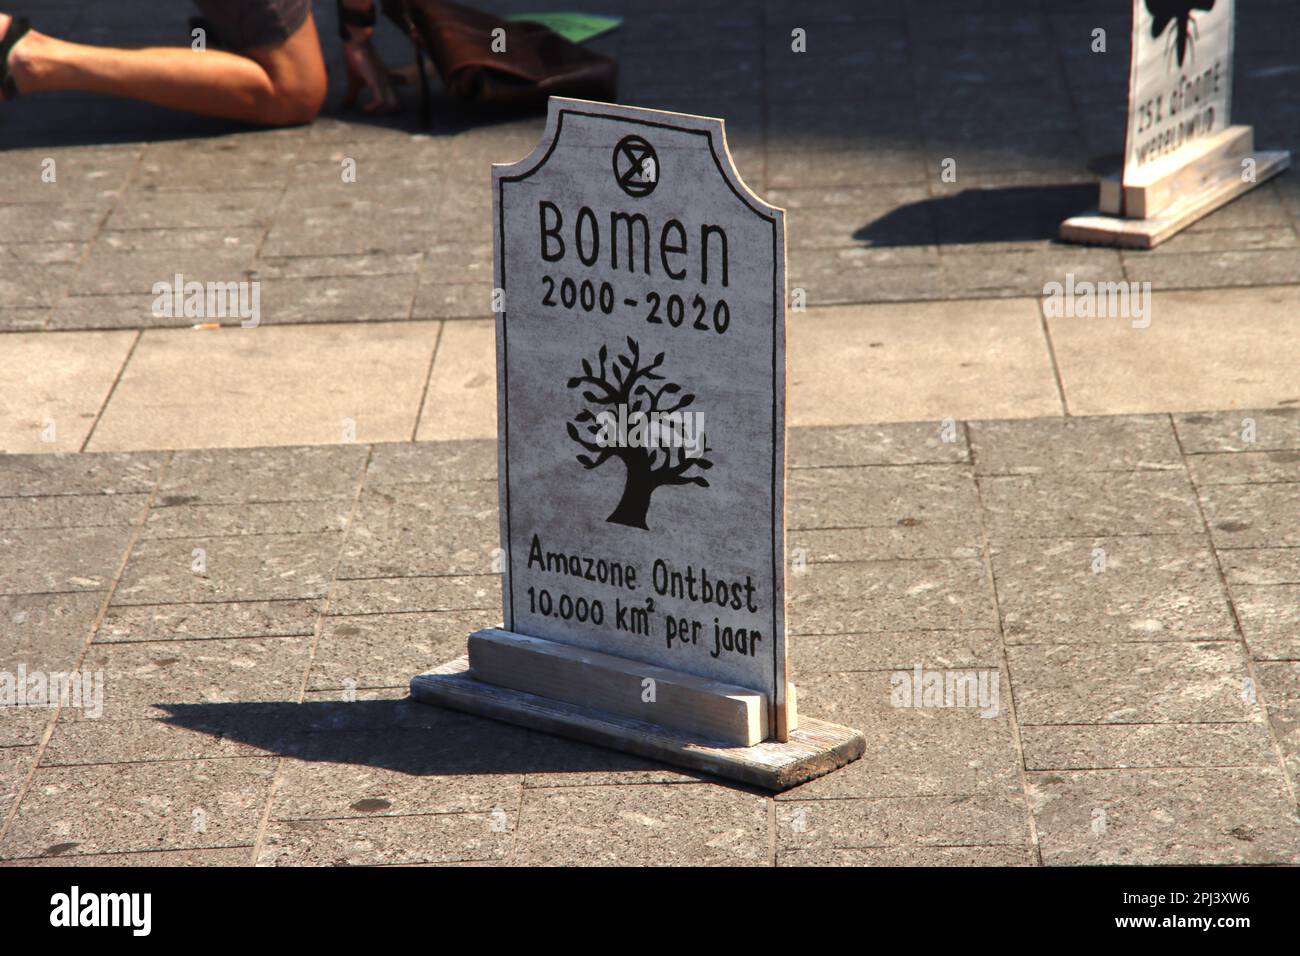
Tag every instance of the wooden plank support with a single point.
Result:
(1110, 230)
(617, 685)
(816, 748)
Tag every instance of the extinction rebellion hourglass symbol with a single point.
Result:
(636, 167)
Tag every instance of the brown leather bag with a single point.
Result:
(536, 62)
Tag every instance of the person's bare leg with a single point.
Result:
(272, 86)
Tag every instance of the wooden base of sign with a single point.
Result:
(815, 748)
(1168, 199)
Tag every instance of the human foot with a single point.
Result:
(12, 33)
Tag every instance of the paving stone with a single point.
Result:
(1270, 620)
(23, 726)
(298, 385)
(214, 162)
(281, 517)
(918, 363)
(52, 221)
(135, 265)
(365, 775)
(239, 568)
(70, 811)
(1089, 504)
(458, 300)
(894, 650)
(72, 511)
(912, 751)
(329, 267)
(1188, 358)
(1181, 816)
(200, 622)
(46, 631)
(908, 539)
(15, 764)
(390, 533)
(107, 474)
(386, 650)
(934, 495)
(1161, 588)
(1280, 692)
(1244, 468)
(889, 596)
(141, 677)
(1124, 746)
(1119, 443)
(213, 476)
(1268, 429)
(429, 838)
(338, 299)
(131, 310)
(225, 857)
(470, 592)
(912, 856)
(916, 443)
(461, 400)
(24, 318)
(646, 825)
(38, 560)
(1253, 516)
(400, 463)
(81, 174)
(35, 275)
(52, 388)
(1260, 565)
(1131, 683)
(145, 740)
(193, 209)
(960, 819)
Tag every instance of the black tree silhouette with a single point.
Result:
(648, 469)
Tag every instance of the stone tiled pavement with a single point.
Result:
(849, 136)
(1148, 703)
(1149, 711)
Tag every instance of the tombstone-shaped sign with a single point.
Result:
(641, 421)
(1182, 157)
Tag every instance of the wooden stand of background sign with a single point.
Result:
(1169, 199)
(814, 747)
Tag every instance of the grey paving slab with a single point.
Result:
(46, 631)
(908, 538)
(338, 299)
(1249, 430)
(332, 267)
(895, 650)
(212, 476)
(198, 622)
(646, 825)
(912, 856)
(145, 740)
(193, 209)
(1089, 504)
(387, 650)
(403, 462)
(24, 726)
(409, 839)
(947, 820)
(1132, 683)
(15, 764)
(80, 174)
(889, 596)
(1038, 446)
(1280, 690)
(71, 811)
(373, 774)
(1143, 817)
(1253, 516)
(141, 678)
(1126, 746)
(52, 221)
(1261, 565)
(1094, 590)
(110, 271)
(473, 592)
(1270, 619)
(278, 517)
(237, 568)
(38, 560)
(106, 474)
(1244, 468)
(942, 495)
(229, 856)
(33, 276)
(72, 511)
(832, 446)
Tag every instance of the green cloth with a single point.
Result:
(575, 27)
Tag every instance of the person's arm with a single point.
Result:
(365, 69)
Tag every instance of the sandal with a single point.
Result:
(18, 28)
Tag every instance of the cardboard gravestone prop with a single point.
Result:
(1182, 158)
(641, 421)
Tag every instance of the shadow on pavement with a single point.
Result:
(1000, 214)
